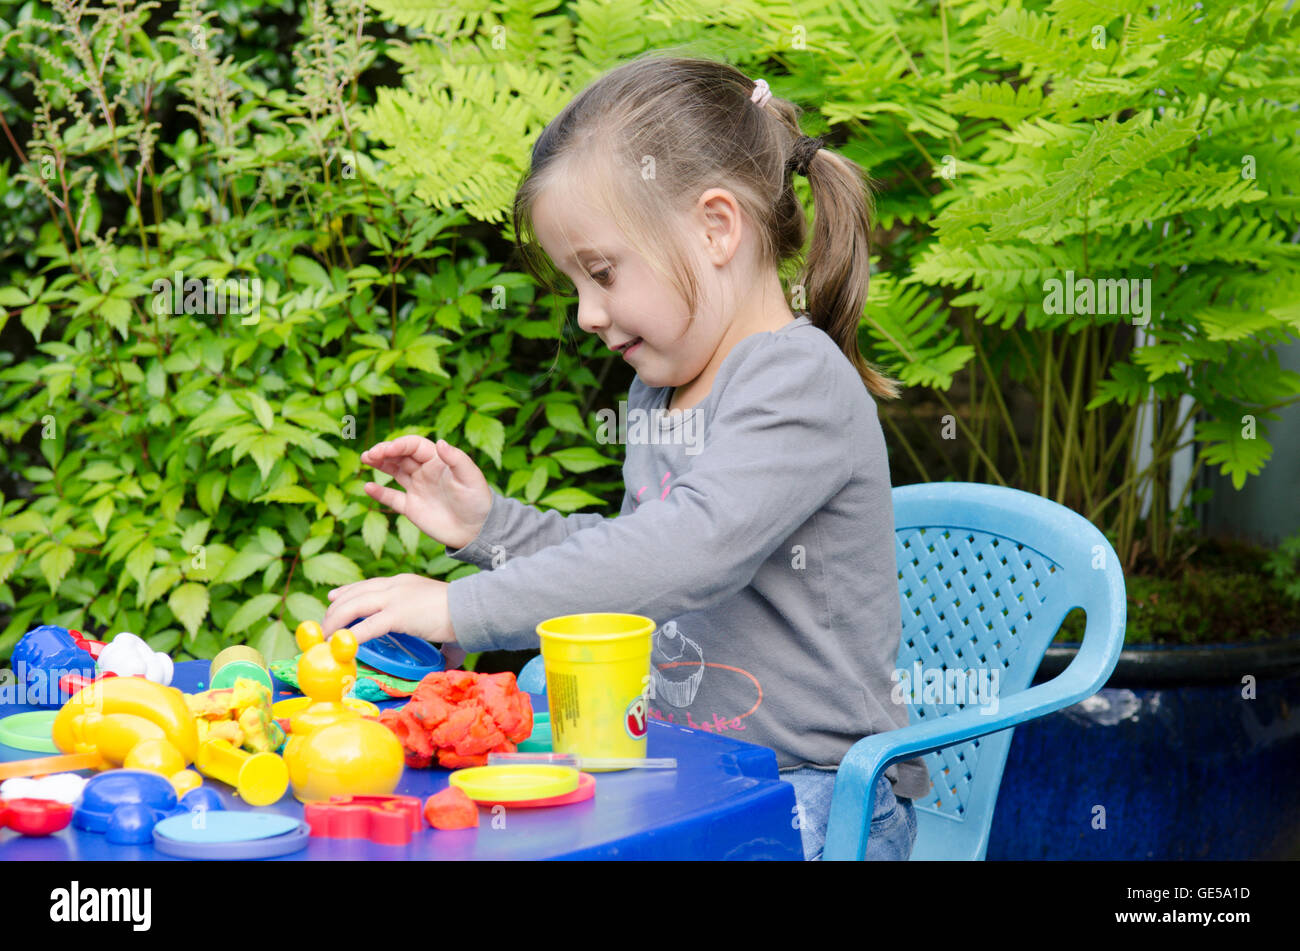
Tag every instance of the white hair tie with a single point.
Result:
(761, 93)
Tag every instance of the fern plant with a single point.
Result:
(1013, 144)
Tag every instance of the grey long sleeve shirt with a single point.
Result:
(757, 530)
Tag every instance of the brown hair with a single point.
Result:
(693, 121)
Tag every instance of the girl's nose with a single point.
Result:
(591, 316)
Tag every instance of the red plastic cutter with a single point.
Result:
(384, 820)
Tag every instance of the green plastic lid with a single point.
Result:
(30, 731)
(232, 671)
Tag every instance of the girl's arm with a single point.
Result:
(775, 455)
(514, 529)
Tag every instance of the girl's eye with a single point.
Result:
(601, 277)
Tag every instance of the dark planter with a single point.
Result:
(1183, 765)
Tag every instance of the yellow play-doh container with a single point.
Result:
(597, 682)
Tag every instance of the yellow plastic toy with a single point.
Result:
(332, 751)
(259, 778)
(129, 721)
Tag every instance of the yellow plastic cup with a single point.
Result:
(597, 681)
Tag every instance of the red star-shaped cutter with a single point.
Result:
(384, 820)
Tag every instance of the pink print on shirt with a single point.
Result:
(663, 495)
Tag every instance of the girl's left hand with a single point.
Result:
(407, 603)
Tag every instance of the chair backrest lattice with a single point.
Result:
(969, 602)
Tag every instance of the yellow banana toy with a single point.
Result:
(109, 712)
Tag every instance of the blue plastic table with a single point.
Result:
(724, 801)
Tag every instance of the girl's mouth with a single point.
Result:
(628, 347)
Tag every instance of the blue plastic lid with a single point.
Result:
(106, 791)
(386, 654)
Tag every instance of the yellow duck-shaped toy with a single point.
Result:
(332, 749)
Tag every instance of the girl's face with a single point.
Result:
(629, 305)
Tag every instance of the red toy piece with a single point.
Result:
(384, 820)
(71, 683)
(34, 816)
(451, 809)
(93, 648)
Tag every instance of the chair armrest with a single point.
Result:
(870, 756)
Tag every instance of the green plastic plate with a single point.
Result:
(29, 731)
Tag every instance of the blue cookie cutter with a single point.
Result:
(400, 655)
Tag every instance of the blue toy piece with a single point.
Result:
(202, 799)
(131, 824)
(532, 679)
(400, 655)
(41, 657)
(987, 575)
(105, 795)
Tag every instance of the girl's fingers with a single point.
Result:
(460, 464)
(385, 496)
(343, 611)
(373, 626)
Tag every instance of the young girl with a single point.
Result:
(757, 524)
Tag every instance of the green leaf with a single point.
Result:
(35, 318)
(275, 643)
(304, 270)
(566, 418)
(312, 545)
(140, 562)
(250, 611)
(449, 417)
(194, 534)
(536, 484)
(374, 529)
(13, 297)
(569, 500)
(288, 493)
(303, 607)
(117, 314)
(189, 603)
(270, 541)
(487, 434)
(409, 534)
(261, 409)
(102, 513)
(247, 562)
(211, 487)
(331, 568)
(55, 564)
(582, 459)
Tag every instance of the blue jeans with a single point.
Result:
(893, 821)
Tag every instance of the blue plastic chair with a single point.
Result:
(986, 574)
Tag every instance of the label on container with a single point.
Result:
(634, 718)
(563, 696)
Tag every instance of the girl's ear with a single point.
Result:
(308, 635)
(343, 645)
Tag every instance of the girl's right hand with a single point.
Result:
(446, 495)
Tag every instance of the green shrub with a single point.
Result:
(199, 478)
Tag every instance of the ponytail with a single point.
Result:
(837, 269)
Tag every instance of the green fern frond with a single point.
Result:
(1028, 39)
(912, 332)
(996, 100)
(439, 19)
